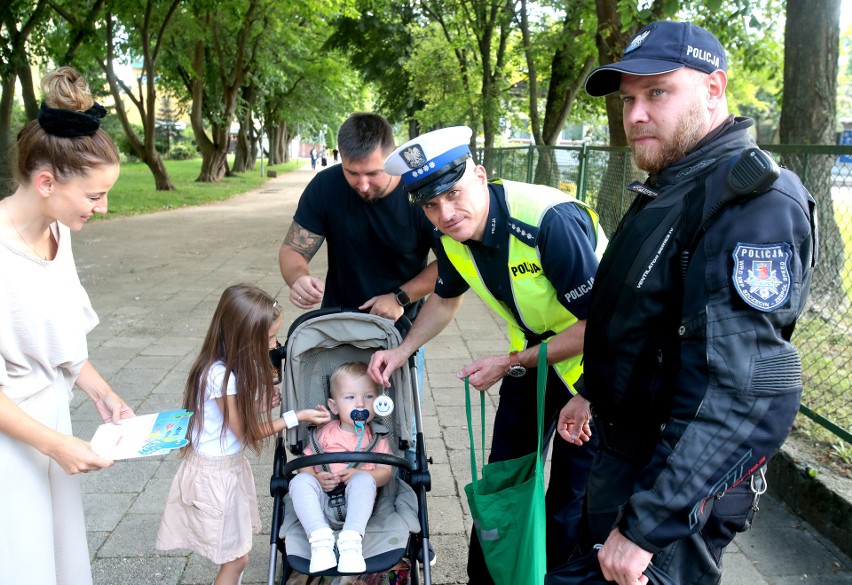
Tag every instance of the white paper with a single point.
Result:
(142, 436)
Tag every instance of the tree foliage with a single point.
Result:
(302, 66)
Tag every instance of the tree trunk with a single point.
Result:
(566, 80)
(811, 45)
(546, 168)
(611, 41)
(214, 164)
(7, 136)
(161, 175)
(241, 152)
(288, 138)
(272, 146)
(254, 147)
(145, 103)
(213, 167)
(25, 75)
(243, 155)
(281, 142)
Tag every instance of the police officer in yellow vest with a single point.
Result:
(530, 253)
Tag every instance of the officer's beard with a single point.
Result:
(667, 150)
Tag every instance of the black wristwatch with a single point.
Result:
(516, 370)
(402, 297)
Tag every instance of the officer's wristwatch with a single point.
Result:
(515, 370)
(402, 297)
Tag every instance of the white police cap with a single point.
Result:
(431, 163)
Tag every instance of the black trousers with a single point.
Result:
(693, 560)
(514, 436)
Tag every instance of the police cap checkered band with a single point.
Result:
(661, 47)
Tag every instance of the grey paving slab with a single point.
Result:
(155, 281)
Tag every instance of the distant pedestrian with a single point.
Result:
(64, 166)
(334, 153)
(314, 156)
(324, 155)
(212, 504)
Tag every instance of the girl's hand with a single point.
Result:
(275, 399)
(318, 416)
(269, 400)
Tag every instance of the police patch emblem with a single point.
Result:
(762, 274)
(413, 156)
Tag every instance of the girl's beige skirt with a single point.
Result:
(211, 508)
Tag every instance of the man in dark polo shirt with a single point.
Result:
(377, 244)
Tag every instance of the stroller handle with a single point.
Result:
(403, 324)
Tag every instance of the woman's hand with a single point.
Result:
(75, 455)
(112, 407)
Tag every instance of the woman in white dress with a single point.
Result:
(63, 165)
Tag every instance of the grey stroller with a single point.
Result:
(317, 343)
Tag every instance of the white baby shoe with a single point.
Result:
(322, 550)
(351, 558)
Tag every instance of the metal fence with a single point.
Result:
(599, 176)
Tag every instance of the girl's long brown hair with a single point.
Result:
(238, 337)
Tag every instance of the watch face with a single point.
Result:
(402, 298)
(517, 371)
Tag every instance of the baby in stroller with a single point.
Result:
(319, 493)
(319, 344)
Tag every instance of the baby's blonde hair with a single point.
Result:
(353, 370)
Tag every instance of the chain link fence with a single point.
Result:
(600, 175)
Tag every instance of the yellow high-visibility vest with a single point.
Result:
(534, 295)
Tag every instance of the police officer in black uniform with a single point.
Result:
(692, 379)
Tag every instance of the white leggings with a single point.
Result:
(43, 535)
(309, 502)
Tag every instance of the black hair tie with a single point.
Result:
(70, 123)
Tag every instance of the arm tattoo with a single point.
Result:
(303, 241)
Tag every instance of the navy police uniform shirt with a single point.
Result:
(566, 245)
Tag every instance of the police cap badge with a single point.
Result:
(431, 163)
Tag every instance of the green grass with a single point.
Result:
(134, 192)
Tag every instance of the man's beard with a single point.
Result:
(373, 195)
(690, 129)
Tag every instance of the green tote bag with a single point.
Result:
(507, 502)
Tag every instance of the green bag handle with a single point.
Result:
(541, 391)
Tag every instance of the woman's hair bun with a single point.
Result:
(66, 89)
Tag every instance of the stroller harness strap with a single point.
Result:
(337, 497)
(312, 437)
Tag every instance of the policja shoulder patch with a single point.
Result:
(762, 274)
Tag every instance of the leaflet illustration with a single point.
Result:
(142, 436)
